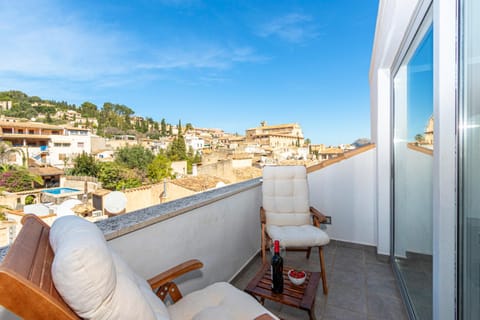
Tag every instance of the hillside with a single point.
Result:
(108, 120)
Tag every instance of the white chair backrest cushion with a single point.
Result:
(285, 195)
(92, 281)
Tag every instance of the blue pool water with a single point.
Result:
(61, 190)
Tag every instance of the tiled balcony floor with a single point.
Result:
(360, 286)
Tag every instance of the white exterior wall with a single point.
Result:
(392, 23)
(414, 201)
(224, 235)
(78, 144)
(346, 191)
(195, 142)
(241, 163)
(179, 167)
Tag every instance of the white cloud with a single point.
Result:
(199, 57)
(293, 27)
(39, 40)
(43, 40)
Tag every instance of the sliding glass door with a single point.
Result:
(413, 140)
(469, 162)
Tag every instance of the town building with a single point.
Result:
(45, 143)
(276, 136)
(194, 142)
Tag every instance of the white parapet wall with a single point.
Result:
(346, 191)
(220, 228)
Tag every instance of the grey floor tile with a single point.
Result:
(383, 287)
(287, 313)
(372, 257)
(346, 297)
(348, 264)
(380, 271)
(385, 307)
(349, 252)
(334, 313)
(424, 312)
(354, 279)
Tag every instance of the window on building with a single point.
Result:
(80, 144)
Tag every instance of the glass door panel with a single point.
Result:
(413, 164)
(469, 164)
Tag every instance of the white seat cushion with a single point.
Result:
(219, 301)
(298, 236)
(92, 282)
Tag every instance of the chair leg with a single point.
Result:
(309, 249)
(324, 273)
(264, 245)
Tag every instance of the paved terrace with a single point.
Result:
(361, 286)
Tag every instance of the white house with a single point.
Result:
(63, 148)
(195, 142)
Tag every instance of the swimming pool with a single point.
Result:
(58, 191)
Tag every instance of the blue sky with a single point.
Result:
(420, 87)
(221, 64)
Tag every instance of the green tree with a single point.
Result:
(114, 176)
(159, 169)
(134, 157)
(419, 138)
(163, 127)
(179, 127)
(177, 150)
(192, 157)
(109, 174)
(188, 126)
(84, 165)
(88, 110)
(48, 118)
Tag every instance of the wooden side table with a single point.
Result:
(302, 297)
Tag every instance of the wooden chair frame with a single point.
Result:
(26, 281)
(317, 219)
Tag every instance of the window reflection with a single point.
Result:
(413, 163)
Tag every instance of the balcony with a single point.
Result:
(221, 227)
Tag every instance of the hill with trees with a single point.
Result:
(110, 119)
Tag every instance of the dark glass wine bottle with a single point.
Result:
(277, 269)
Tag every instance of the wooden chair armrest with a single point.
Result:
(263, 217)
(173, 273)
(318, 217)
(264, 316)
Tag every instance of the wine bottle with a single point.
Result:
(277, 269)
